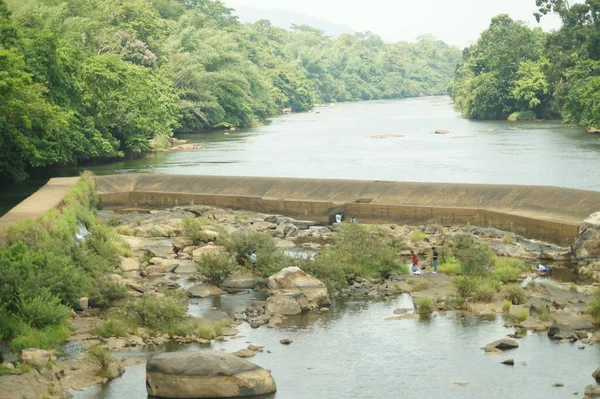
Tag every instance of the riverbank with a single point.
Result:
(161, 260)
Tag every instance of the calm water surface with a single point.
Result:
(353, 352)
(340, 143)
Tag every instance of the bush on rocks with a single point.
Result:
(424, 306)
(241, 243)
(594, 307)
(105, 291)
(156, 312)
(194, 228)
(216, 266)
(515, 294)
(466, 286)
(474, 258)
(508, 270)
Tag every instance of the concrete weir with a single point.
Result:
(551, 214)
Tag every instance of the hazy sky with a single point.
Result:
(457, 22)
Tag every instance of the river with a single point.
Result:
(352, 352)
(376, 140)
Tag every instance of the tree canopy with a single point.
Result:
(83, 80)
(514, 68)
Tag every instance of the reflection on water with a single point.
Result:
(341, 143)
(353, 352)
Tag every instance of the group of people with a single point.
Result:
(414, 266)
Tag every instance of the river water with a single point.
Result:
(377, 140)
(352, 352)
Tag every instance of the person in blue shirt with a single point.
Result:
(253, 258)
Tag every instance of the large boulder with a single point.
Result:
(501, 344)
(293, 280)
(559, 332)
(286, 305)
(587, 245)
(36, 357)
(240, 282)
(205, 374)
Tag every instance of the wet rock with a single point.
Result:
(285, 341)
(205, 374)
(255, 348)
(229, 332)
(501, 344)
(275, 321)
(592, 391)
(561, 332)
(205, 290)
(558, 384)
(509, 362)
(245, 353)
(293, 280)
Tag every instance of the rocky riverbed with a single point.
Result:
(163, 260)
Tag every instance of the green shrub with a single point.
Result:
(521, 316)
(112, 327)
(48, 338)
(544, 314)
(100, 249)
(450, 267)
(474, 258)
(5, 371)
(327, 268)
(215, 266)
(466, 286)
(114, 221)
(104, 291)
(241, 243)
(42, 310)
(515, 294)
(508, 270)
(417, 235)
(424, 306)
(484, 293)
(104, 360)
(125, 230)
(146, 256)
(156, 313)
(508, 239)
(193, 227)
(10, 325)
(594, 307)
(506, 306)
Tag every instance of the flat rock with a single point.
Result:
(130, 264)
(501, 344)
(205, 290)
(245, 353)
(237, 281)
(283, 244)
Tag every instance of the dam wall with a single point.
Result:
(551, 214)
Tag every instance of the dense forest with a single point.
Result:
(98, 79)
(513, 68)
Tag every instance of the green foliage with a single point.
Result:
(474, 258)
(424, 306)
(466, 286)
(417, 235)
(450, 266)
(193, 228)
(594, 307)
(156, 313)
(103, 359)
(48, 338)
(484, 293)
(508, 270)
(515, 294)
(101, 79)
(506, 306)
(215, 266)
(5, 371)
(41, 310)
(104, 291)
(521, 316)
(241, 243)
(112, 327)
(418, 285)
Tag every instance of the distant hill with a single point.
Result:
(285, 19)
